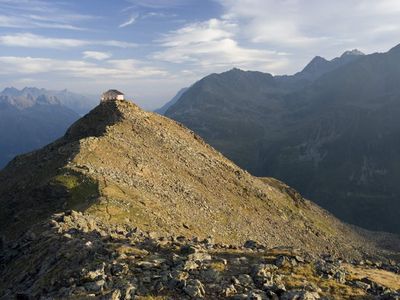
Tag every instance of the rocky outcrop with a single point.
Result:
(74, 256)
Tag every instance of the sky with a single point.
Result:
(150, 49)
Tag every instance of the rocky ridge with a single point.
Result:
(163, 214)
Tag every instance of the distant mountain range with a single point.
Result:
(79, 103)
(331, 131)
(31, 118)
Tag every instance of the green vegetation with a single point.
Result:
(82, 190)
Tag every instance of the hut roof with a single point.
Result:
(112, 92)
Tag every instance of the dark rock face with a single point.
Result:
(330, 132)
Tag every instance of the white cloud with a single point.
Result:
(97, 55)
(160, 4)
(211, 44)
(37, 41)
(130, 21)
(316, 26)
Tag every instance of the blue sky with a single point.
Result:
(151, 48)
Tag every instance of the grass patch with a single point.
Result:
(81, 189)
(218, 266)
(305, 274)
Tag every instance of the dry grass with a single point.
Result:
(218, 266)
(385, 278)
(305, 275)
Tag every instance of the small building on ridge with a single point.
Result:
(112, 95)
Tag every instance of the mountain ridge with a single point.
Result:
(81, 104)
(78, 172)
(132, 205)
(291, 129)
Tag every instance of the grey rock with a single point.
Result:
(229, 291)
(119, 269)
(263, 270)
(271, 295)
(97, 272)
(300, 295)
(188, 249)
(256, 295)
(340, 276)
(250, 244)
(240, 297)
(210, 275)
(245, 280)
(96, 286)
(129, 292)
(194, 289)
(200, 257)
(284, 262)
(190, 265)
(114, 295)
(146, 265)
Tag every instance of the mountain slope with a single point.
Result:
(158, 208)
(28, 122)
(127, 166)
(171, 102)
(333, 137)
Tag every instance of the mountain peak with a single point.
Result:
(236, 70)
(10, 91)
(354, 52)
(233, 71)
(107, 113)
(315, 64)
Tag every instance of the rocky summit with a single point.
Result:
(132, 205)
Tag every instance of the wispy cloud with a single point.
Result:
(30, 40)
(97, 55)
(115, 69)
(130, 21)
(160, 4)
(40, 14)
(33, 22)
